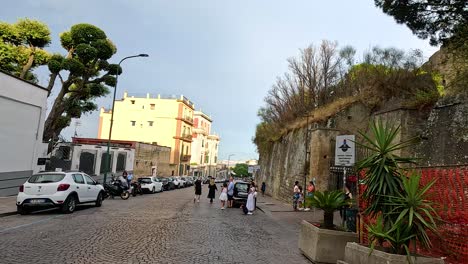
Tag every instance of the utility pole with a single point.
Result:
(229, 169)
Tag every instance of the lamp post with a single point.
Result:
(229, 159)
(109, 165)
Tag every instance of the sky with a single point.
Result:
(223, 55)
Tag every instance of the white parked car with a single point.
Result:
(181, 183)
(150, 184)
(58, 189)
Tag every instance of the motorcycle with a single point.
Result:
(115, 188)
(136, 188)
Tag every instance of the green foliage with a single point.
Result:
(329, 202)
(383, 166)
(412, 210)
(89, 75)
(437, 20)
(241, 170)
(21, 47)
(399, 204)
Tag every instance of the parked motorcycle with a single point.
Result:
(115, 188)
(136, 188)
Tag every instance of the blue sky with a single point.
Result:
(223, 55)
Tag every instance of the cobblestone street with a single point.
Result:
(161, 228)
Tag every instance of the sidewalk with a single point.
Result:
(285, 212)
(7, 206)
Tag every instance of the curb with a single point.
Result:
(7, 214)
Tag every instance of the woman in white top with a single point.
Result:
(251, 199)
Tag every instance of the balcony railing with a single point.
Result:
(185, 157)
(188, 119)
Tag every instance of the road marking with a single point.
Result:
(29, 224)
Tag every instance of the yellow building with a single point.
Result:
(165, 120)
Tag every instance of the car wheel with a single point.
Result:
(70, 205)
(22, 210)
(99, 200)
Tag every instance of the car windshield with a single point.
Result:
(242, 187)
(46, 178)
(144, 180)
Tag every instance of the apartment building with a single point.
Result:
(165, 120)
(204, 156)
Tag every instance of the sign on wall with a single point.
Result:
(345, 151)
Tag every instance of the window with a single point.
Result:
(89, 181)
(150, 123)
(132, 101)
(152, 106)
(203, 143)
(78, 178)
(46, 178)
(133, 123)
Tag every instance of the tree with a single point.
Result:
(241, 170)
(22, 47)
(437, 20)
(84, 75)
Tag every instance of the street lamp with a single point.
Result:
(229, 159)
(109, 165)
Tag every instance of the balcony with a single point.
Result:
(184, 158)
(188, 119)
(185, 137)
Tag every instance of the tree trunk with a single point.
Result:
(328, 220)
(56, 111)
(29, 64)
(53, 76)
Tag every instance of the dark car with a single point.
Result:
(168, 183)
(241, 191)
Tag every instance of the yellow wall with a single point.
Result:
(165, 115)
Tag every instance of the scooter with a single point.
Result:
(136, 188)
(115, 188)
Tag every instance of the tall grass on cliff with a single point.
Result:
(326, 79)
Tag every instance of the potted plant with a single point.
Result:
(325, 243)
(396, 201)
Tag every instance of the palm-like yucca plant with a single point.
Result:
(413, 210)
(396, 201)
(329, 202)
(382, 166)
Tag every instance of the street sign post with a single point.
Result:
(345, 152)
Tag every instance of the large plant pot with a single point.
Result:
(358, 254)
(323, 245)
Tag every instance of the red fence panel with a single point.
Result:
(449, 195)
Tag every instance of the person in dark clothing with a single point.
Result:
(348, 196)
(198, 190)
(212, 188)
(263, 188)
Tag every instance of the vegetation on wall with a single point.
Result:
(324, 80)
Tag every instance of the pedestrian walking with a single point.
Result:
(296, 195)
(263, 188)
(300, 201)
(212, 188)
(309, 195)
(223, 197)
(198, 189)
(230, 192)
(251, 199)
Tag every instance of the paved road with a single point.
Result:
(162, 228)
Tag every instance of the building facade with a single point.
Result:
(23, 112)
(167, 121)
(204, 146)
